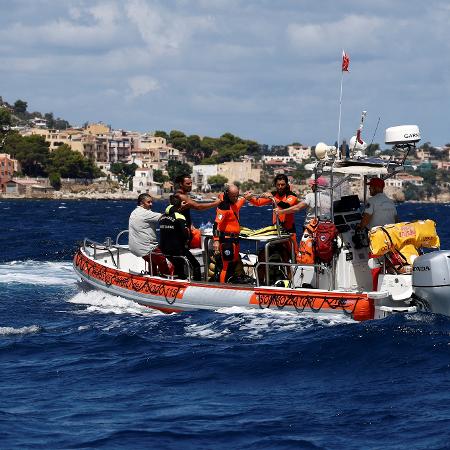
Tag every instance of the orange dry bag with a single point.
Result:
(306, 254)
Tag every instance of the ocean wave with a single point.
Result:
(11, 331)
(257, 323)
(101, 302)
(37, 273)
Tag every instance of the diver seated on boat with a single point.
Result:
(142, 239)
(174, 239)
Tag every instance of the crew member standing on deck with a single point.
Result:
(380, 209)
(284, 198)
(226, 231)
(183, 187)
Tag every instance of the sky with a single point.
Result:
(267, 70)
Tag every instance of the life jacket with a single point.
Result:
(283, 201)
(196, 238)
(227, 219)
(325, 241)
(306, 253)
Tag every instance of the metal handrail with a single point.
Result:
(119, 235)
(291, 265)
(159, 253)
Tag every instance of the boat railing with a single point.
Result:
(293, 267)
(159, 254)
(107, 246)
(120, 235)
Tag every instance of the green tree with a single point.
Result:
(124, 172)
(217, 181)
(5, 119)
(55, 180)
(411, 192)
(32, 152)
(178, 139)
(71, 164)
(160, 133)
(159, 177)
(50, 120)
(61, 124)
(372, 149)
(176, 168)
(20, 107)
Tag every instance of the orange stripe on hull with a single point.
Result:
(358, 306)
(166, 289)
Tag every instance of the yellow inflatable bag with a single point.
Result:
(404, 237)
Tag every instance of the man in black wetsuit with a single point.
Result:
(174, 239)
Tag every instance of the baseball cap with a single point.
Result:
(376, 182)
(321, 181)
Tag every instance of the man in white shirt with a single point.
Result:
(309, 202)
(380, 209)
(142, 237)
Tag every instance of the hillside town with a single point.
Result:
(129, 163)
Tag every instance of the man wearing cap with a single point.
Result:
(309, 202)
(380, 209)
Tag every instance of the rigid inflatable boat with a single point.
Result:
(345, 285)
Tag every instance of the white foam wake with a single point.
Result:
(255, 323)
(37, 273)
(101, 302)
(11, 331)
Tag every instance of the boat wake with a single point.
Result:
(103, 303)
(255, 324)
(37, 273)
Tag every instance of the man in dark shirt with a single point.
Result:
(174, 239)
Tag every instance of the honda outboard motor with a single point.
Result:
(431, 282)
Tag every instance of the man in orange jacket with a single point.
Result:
(226, 231)
(284, 198)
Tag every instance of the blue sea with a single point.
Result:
(88, 370)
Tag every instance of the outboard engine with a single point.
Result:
(431, 282)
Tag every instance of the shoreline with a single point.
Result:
(133, 196)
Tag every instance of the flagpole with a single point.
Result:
(340, 114)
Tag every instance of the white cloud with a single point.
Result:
(352, 32)
(164, 31)
(141, 85)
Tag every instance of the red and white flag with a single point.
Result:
(345, 61)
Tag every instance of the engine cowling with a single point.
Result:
(431, 281)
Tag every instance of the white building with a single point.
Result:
(143, 182)
(200, 175)
(39, 122)
(299, 152)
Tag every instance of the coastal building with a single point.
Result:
(153, 152)
(423, 154)
(8, 166)
(299, 153)
(233, 171)
(98, 129)
(143, 182)
(200, 175)
(120, 146)
(28, 186)
(38, 122)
